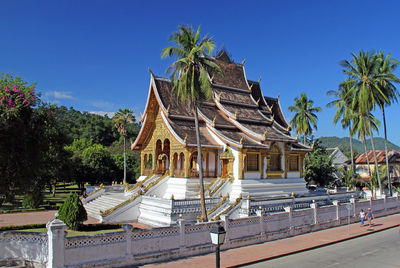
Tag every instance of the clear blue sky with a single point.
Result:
(94, 55)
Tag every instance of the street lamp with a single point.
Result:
(217, 238)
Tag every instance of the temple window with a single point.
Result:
(275, 158)
(253, 162)
(293, 163)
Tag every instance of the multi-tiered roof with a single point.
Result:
(238, 113)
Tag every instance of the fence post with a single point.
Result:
(56, 243)
(384, 203)
(226, 227)
(353, 202)
(259, 213)
(128, 236)
(336, 204)
(289, 210)
(182, 240)
(315, 207)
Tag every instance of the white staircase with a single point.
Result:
(106, 201)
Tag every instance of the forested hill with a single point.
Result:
(344, 144)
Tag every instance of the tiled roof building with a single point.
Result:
(243, 134)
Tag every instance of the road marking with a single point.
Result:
(333, 265)
(370, 252)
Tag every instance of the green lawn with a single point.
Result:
(71, 233)
(49, 202)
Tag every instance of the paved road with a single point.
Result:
(381, 249)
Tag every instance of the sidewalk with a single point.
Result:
(250, 254)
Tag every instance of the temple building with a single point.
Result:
(244, 137)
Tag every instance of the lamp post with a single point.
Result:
(217, 238)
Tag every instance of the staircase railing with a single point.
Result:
(226, 211)
(217, 206)
(138, 184)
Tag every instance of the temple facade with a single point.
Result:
(243, 134)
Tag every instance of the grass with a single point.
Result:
(49, 202)
(71, 233)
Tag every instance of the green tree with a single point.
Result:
(190, 76)
(121, 119)
(319, 168)
(72, 212)
(363, 70)
(99, 164)
(342, 103)
(305, 118)
(386, 82)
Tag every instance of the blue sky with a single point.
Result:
(94, 55)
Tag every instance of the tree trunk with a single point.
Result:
(376, 161)
(305, 139)
(124, 161)
(351, 150)
(200, 162)
(366, 152)
(386, 152)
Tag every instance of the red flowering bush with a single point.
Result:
(15, 95)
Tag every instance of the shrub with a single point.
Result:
(72, 212)
(32, 199)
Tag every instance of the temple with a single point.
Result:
(245, 139)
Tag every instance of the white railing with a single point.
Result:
(156, 245)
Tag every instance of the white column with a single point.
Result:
(128, 236)
(315, 207)
(290, 211)
(182, 240)
(56, 243)
(336, 204)
(259, 213)
(353, 202)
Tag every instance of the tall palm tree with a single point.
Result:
(190, 75)
(343, 100)
(305, 118)
(121, 119)
(363, 70)
(361, 127)
(386, 80)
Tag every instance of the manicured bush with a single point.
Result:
(22, 227)
(72, 212)
(32, 199)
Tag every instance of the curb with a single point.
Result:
(313, 247)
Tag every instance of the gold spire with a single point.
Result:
(243, 61)
(213, 122)
(251, 86)
(259, 79)
(241, 140)
(185, 139)
(278, 96)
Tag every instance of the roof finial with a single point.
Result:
(211, 79)
(289, 127)
(241, 140)
(312, 146)
(169, 106)
(259, 79)
(150, 71)
(141, 115)
(185, 139)
(236, 111)
(250, 87)
(265, 133)
(213, 122)
(219, 95)
(243, 61)
(273, 118)
(297, 136)
(278, 96)
(258, 101)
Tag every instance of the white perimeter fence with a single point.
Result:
(135, 247)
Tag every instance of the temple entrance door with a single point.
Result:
(163, 164)
(225, 168)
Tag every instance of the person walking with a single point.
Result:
(370, 216)
(362, 217)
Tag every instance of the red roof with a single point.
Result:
(393, 156)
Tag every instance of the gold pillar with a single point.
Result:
(241, 173)
(171, 164)
(286, 163)
(187, 163)
(142, 163)
(301, 157)
(155, 166)
(261, 165)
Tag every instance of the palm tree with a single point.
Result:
(362, 128)
(386, 80)
(363, 70)
(305, 118)
(342, 103)
(190, 75)
(121, 119)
